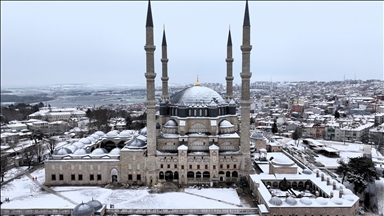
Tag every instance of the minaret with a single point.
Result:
(246, 165)
(229, 61)
(150, 103)
(164, 62)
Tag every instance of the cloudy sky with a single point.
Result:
(102, 42)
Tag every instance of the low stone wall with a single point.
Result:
(37, 211)
(240, 211)
(112, 211)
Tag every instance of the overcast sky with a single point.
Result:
(102, 42)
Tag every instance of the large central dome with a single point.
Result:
(196, 95)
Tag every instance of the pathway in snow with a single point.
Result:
(212, 199)
(49, 190)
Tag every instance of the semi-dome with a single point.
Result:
(95, 204)
(115, 151)
(170, 123)
(141, 137)
(81, 151)
(135, 143)
(99, 151)
(196, 95)
(143, 131)
(83, 209)
(62, 151)
(85, 141)
(225, 124)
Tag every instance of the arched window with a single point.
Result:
(161, 175)
(168, 176)
(294, 185)
(190, 174)
(235, 174)
(301, 184)
(221, 173)
(206, 174)
(175, 175)
(275, 184)
(228, 174)
(121, 144)
(198, 175)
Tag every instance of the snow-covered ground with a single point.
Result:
(14, 172)
(346, 150)
(24, 193)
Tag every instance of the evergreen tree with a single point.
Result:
(360, 171)
(297, 134)
(337, 114)
(274, 127)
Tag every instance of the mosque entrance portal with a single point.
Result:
(168, 176)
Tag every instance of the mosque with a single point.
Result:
(195, 137)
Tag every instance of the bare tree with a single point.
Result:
(378, 139)
(4, 166)
(27, 154)
(39, 150)
(51, 145)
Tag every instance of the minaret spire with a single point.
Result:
(150, 102)
(229, 61)
(246, 165)
(164, 62)
(149, 15)
(246, 15)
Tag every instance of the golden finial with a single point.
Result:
(197, 81)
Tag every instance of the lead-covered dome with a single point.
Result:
(196, 95)
(81, 151)
(78, 144)
(62, 151)
(257, 135)
(115, 151)
(99, 151)
(86, 141)
(95, 204)
(83, 209)
(125, 133)
(135, 143)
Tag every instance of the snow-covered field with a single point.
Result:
(24, 193)
(14, 172)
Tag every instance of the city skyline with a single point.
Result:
(103, 42)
